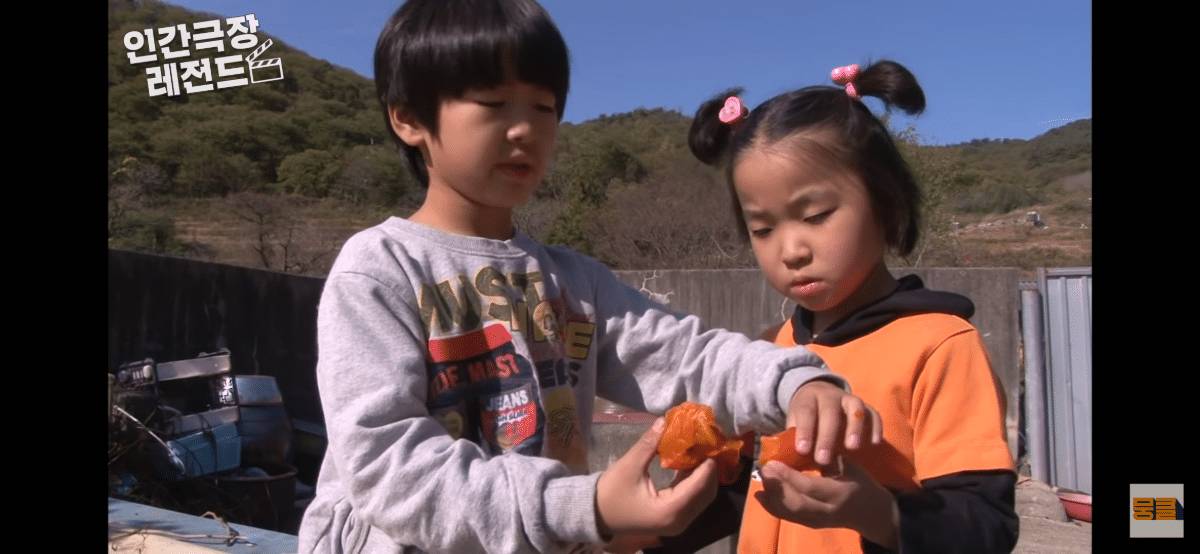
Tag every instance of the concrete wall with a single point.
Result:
(171, 308)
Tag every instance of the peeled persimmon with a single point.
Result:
(781, 447)
(692, 436)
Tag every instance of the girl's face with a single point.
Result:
(811, 227)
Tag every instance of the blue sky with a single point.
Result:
(989, 69)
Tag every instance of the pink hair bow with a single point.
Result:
(845, 75)
(733, 111)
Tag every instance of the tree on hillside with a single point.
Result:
(281, 239)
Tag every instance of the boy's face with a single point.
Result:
(493, 145)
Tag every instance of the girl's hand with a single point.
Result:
(852, 500)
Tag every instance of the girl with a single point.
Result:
(821, 193)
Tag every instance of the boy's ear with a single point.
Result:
(407, 127)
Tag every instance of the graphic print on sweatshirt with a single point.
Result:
(483, 391)
(550, 337)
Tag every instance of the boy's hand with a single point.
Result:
(628, 504)
(852, 500)
(822, 410)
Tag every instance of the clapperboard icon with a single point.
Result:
(263, 71)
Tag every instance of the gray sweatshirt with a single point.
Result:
(457, 376)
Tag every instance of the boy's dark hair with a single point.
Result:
(430, 50)
(860, 141)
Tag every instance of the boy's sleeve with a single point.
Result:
(407, 476)
(652, 358)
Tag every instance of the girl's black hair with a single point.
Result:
(861, 141)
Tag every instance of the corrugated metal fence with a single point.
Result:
(1067, 320)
